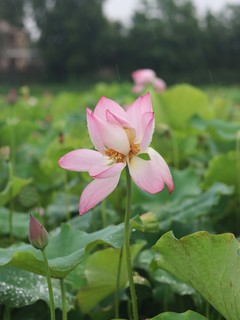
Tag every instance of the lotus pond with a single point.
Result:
(185, 252)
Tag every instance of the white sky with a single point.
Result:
(123, 9)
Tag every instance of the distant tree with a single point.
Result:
(231, 20)
(12, 11)
(167, 36)
(215, 41)
(75, 35)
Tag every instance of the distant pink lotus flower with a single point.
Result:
(120, 136)
(159, 84)
(142, 77)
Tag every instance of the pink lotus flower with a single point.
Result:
(159, 84)
(120, 136)
(142, 77)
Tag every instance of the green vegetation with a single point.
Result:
(197, 133)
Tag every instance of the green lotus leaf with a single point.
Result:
(222, 168)
(188, 315)
(66, 249)
(176, 285)
(101, 275)
(19, 288)
(208, 263)
(188, 210)
(20, 223)
(220, 130)
(12, 189)
(180, 103)
(189, 188)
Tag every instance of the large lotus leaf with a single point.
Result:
(182, 102)
(221, 135)
(20, 223)
(176, 285)
(208, 263)
(176, 145)
(192, 208)
(76, 279)
(189, 188)
(65, 251)
(188, 315)
(12, 189)
(62, 204)
(146, 261)
(28, 196)
(19, 288)
(101, 276)
(219, 129)
(222, 168)
(221, 106)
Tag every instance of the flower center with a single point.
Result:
(134, 149)
(115, 155)
(118, 157)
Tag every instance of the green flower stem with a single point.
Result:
(207, 313)
(127, 236)
(238, 165)
(103, 214)
(118, 284)
(64, 302)
(129, 310)
(67, 201)
(175, 150)
(50, 290)
(12, 136)
(6, 313)
(10, 219)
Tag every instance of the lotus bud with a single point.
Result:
(38, 235)
(150, 222)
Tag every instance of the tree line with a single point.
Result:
(168, 36)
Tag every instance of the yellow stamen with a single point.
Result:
(135, 149)
(118, 157)
(115, 155)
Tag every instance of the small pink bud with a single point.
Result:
(38, 235)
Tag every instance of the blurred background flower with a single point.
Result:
(143, 77)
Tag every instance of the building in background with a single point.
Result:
(15, 54)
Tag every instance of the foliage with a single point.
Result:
(20, 288)
(196, 132)
(209, 263)
(173, 316)
(13, 12)
(77, 30)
